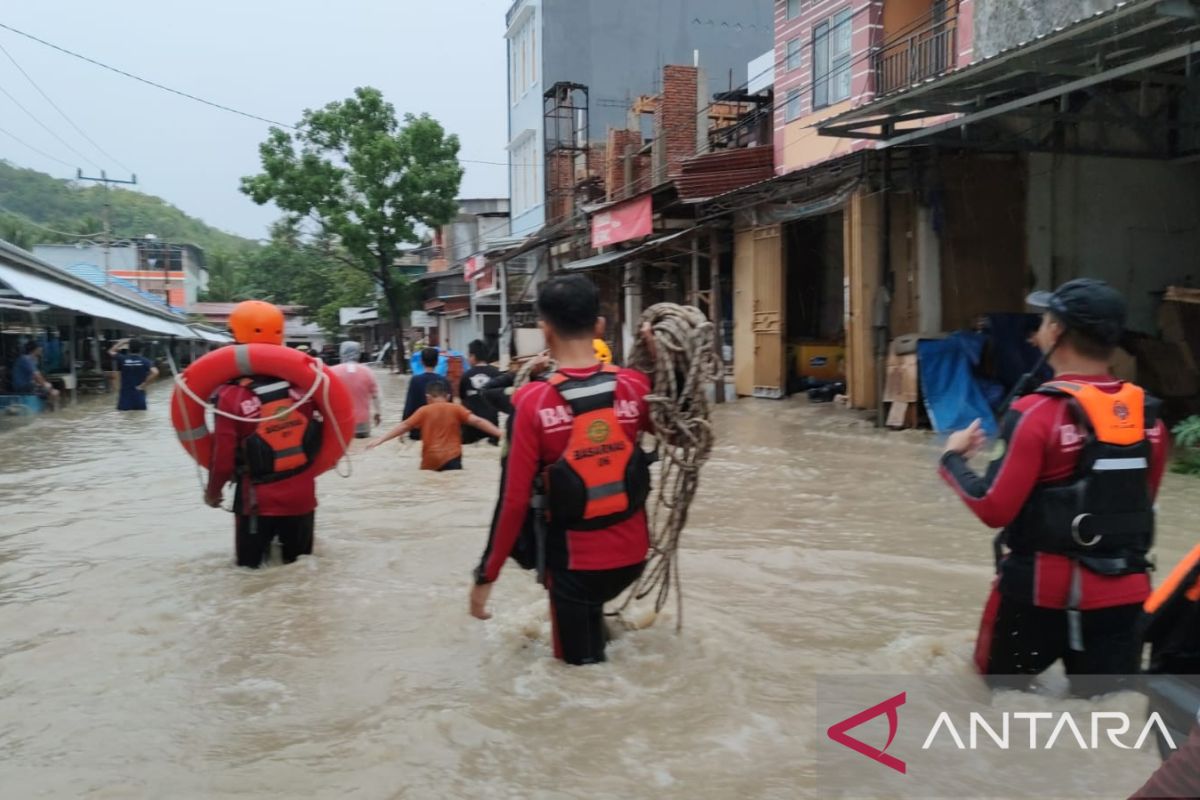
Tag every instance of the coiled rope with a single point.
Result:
(683, 363)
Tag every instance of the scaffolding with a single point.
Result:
(566, 141)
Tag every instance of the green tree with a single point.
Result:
(366, 181)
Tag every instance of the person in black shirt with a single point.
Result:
(471, 391)
(419, 385)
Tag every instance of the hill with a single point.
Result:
(27, 195)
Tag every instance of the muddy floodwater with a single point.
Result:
(137, 662)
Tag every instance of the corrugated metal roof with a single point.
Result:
(717, 173)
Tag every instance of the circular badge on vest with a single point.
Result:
(1121, 410)
(598, 431)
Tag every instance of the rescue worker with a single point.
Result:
(275, 494)
(577, 432)
(471, 390)
(1071, 483)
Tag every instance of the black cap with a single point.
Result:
(1087, 305)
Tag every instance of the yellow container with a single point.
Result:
(820, 360)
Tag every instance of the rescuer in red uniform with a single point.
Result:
(1071, 483)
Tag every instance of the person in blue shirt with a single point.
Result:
(136, 372)
(418, 386)
(27, 377)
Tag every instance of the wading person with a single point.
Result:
(364, 389)
(27, 377)
(1071, 484)
(577, 433)
(275, 494)
(474, 380)
(418, 387)
(441, 423)
(136, 373)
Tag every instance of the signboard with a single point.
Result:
(472, 267)
(632, 219)
(423, 319)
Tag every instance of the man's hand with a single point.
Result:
(539, 363)
(213, 500)
(480, 593)
(647, 334)
(371, 445)
(967, 442)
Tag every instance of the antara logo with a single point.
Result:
(1106, 728)
(838, 732)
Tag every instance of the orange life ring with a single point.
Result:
(226, 364)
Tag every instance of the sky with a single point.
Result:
(272, 58)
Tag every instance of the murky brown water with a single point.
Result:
(135, 661)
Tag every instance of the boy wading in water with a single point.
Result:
(440, 422)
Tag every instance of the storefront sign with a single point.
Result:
(632, 219)
(473, 267)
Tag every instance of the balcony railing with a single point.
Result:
(916, 57)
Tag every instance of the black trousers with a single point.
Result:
(1018, 640)
(253, 535)
(577, 599)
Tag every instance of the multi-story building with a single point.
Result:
(616, 49)
(173, 271)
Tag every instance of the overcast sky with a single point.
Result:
(273, 58)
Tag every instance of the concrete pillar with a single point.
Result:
(631, 288)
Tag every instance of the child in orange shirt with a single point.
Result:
(440, 422)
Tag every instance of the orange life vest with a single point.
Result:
(1103, 517)
(603, 476)
(284, 441)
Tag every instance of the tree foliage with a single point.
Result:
(28, 196)
(353, 176)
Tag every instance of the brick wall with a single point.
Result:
(560, 171)
(676, 118)
(620, 142)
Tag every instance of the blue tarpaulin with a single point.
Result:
(953, 398)
(443, 365)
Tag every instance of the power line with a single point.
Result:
(42, 153)
(46, 127)
(62, 113)
(146, 81)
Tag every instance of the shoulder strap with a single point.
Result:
(588, 394)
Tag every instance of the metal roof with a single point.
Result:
(621, 256)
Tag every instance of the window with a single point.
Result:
(831, 59)
(793, 55)
(522, 59)
(524, 173)
(791, 111)
(793, 8)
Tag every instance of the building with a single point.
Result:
(296, 330)
(174, 271)
(602, 55)
(461, 287)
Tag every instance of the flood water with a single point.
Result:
(136, 661)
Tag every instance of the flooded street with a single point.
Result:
(136, 661)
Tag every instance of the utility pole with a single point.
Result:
(105, 181)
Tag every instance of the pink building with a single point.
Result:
(835, 55)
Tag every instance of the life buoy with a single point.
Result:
(226, 364)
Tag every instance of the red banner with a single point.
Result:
(632, 219)
(473, 266)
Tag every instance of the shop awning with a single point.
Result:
(45, 289)
(621, 256)
(210, 336)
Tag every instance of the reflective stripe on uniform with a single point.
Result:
(290, 451)
(272, 388)
(605, 490)
(1118, 464)
(575, 393)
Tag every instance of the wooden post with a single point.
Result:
(694, 289)
(714, 312)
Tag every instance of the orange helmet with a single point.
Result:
(603, 354)
(254, 321)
